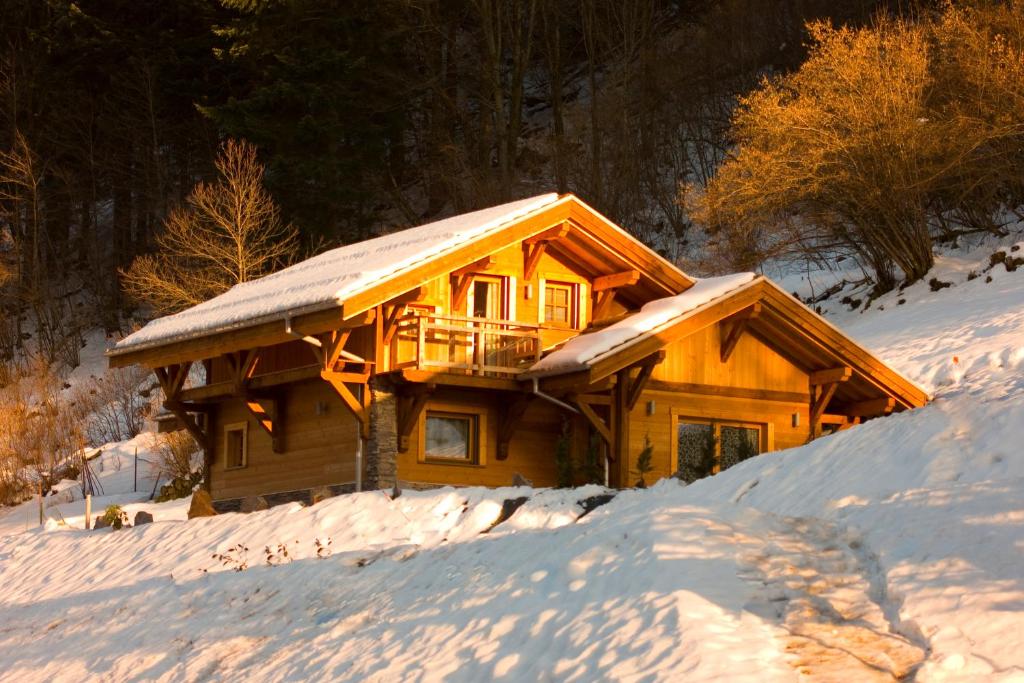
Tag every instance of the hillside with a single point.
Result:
(889, 550)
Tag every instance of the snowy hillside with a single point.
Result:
(892, 549)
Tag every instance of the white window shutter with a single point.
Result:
(512, 295)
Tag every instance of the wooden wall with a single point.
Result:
(531, 452)
(319, 449)
(756, 385)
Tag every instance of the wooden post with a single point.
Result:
(88, 511)
(620, 425)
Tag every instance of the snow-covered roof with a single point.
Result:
(582, 351)
(328, 279)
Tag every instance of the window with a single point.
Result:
(560, 304)
(706, 447)
(738, 444)
(451, 437)
(235, 446)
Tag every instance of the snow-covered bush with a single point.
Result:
(112, 407)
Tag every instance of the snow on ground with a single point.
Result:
(118, 483)
(892, 549)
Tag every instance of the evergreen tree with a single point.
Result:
(643, 462)
(314, 87)
(563, 458)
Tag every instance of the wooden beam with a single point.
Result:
(593, 399)
(475, 267)
(531, 258)
(451, 379)
(357, 407)
(602, 303)
(460, 290)
(509, 421)
(620, 425)
(392, 315)
(615, 280)
(733, 328)
(409, 407)
(217, 344)
(172, 378)
(872, 408)
(534, 247)
(730, 392)
(268, 412)
(820, 397)
(595, 421)
(636, 387)
(840, 374)
(549, 235)
(209, 392)
(181, 411)
(412, 296)
(334, 344)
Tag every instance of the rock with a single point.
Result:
(319, 493)
(142, 517)
(100, 523)
(520, 480)
(253, 504)
(201, 506)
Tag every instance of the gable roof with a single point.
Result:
(584, 350)
(353, 278)
(805, 338)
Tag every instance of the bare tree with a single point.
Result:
(228, 232)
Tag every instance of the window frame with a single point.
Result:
(572, 290)
(764, 440)
(242, 427)
(477, 434)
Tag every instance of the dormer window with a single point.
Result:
(561, 304)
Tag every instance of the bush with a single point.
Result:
(115, 517)
(886, 138)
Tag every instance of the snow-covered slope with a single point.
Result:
(895, 548)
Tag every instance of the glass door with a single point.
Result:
(486, 301)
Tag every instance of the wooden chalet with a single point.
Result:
(461, 352)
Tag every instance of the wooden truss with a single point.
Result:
(604, 290)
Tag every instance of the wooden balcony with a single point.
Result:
(468, 346)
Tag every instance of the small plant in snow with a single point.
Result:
(115, 517)
(323, 550)
(277, 555)
(236, 557)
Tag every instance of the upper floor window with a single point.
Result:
(560, 304)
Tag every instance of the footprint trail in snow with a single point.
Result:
(830, 602)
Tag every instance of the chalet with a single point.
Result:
(467, 351)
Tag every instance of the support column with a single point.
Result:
(381, 452)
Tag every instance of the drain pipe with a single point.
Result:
(359, 448)
(550, 398)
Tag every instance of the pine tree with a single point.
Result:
(563, 458)
(643, 462)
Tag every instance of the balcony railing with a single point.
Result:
(472, 346)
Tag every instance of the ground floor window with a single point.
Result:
(451, 437)
(704, 447)
(235, 446)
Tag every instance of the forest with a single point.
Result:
(725, 134)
